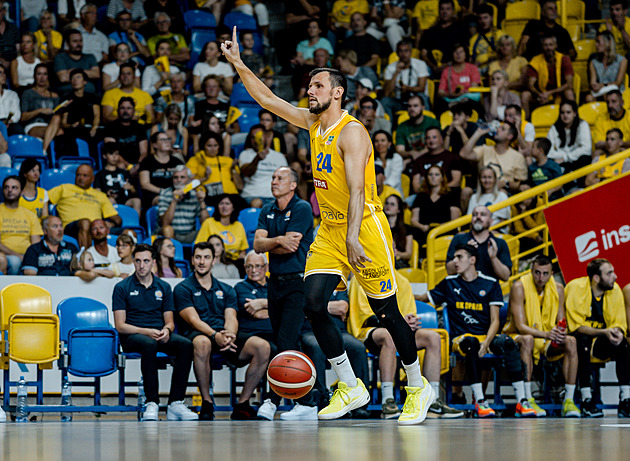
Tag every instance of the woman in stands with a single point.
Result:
(509, 61)
(111, 71)
(165, 262)
(23, 67)
(459, 77)
(394, 209)
(217, 172)
(607, 69)
(435, 204)
(209, 64)
(155, 77)
(488, 193)
(500, 96)
(570, 138)
(386, 156)
(224, 222)
(156, 170)
(173, 125)
(179, 96)
(212, 124)
(222, 267)
(33, 198)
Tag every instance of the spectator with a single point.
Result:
(105, 256)
(616, 117)
(536, 29)
(370, 120)
(394, 209)
(130, 135)
(382, 189)
(341, 14)
(49, 41)
(33, 198)
(134, 8)
(362, 42)
(10, 112)
(156, 171)
(570, 139)
(172, 8)
(156, 77)
(596, 317)
(252, 59)
(509, 165)
(404, 79)
(364, 88)
(79, 204)
(488, 193)
(460, 129)
(483, 44)
(411, 134)
(389, 17)
(607, 70)
(68, 11)
(82, 266)
(526, 131)
(494, 256)
(442, 37)
(111, 71)
(178, 96)
(301, 79)
(114, 181)
(74, 58)
(178, 211)
(19, 227)
(509, 61)
(273, 139)
(165, 266)
(258, 164)
(124, 247)
(618, 25)
(37, 105)
(543, 169)
(210, 321)
(172, 124)
(224, 222)
(614, 145)
(30, 12)
(9, 39)
(217, 172)
(211, 105)
(212, 125)
(144, 113)
(95, 42)
(346, 62)
(388, 158)
(550, 74)
(23, 67)
(145, 324)
(436, 155)
(459, 77)
(305, 50)
(51, 256)
(180, 54)
(222, 267)
(125, 34)
(500, 96)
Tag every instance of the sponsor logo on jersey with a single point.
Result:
(457, 290)
(464, 305)
(469, 319)
(330, 140)
(158, 295)
(134, 293)
(219, 294)
(482, 293)
(376, 273)
(320, 183)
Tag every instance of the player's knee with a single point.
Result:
(429, 339)
(385, 309)
(527, 342)
(202, 346)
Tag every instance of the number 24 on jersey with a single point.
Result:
(324, 162)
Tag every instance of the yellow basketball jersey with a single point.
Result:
(329, 174)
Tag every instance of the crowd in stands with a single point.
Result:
(449, 106)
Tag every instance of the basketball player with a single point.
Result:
(354, 234)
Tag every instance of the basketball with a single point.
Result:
(291, 374)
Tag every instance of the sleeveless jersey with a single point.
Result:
(329, 174)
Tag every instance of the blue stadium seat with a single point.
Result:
(3, 130)
(152, 220)
(130, 220)
(249, 219)
(240, 97)
(68, 239)
(111, 239)
(4, 172)
(197, 19)
(56, 177)
(22, 146)
(427, 315)
(249, 118)
(242, 21)
(84, 155)
(198, 39)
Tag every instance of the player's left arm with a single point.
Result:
(492, 330)
(355, 147)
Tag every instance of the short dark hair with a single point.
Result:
(122, 13)
(431, 128)
(617, 92)
(203, 246)
(544, 144)
(513, 130)
(336, 79)
(129, 64)
(462, 108)
(616, 130)
(484, 8)
(444, 2)
(74, 72)
(471, 250)
(207, 135)
(217, 214)
(70, 33)
(274, 117)
(14, 177)
(144, 247)
(127, 99)
(109, 148)
(366, 99)
(516, 107)
(623, 3)
(542, 260)
(595, 267)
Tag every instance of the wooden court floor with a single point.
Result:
(348, 440)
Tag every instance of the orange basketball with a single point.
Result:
(291, 374)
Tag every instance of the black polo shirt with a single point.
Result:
(210, 304)
(145, 306)
(484, 263)
(40, 258)
(246, 323)
(296, 217)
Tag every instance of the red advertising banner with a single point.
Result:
(593, 225)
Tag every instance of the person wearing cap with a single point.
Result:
(369, 118)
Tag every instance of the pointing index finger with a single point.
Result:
(234, 34)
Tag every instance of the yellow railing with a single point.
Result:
(538, 191)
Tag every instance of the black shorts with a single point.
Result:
(230, 356)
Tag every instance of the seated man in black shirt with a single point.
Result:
(130, 136)
(208, 316)
(531, 45)
(211, 86)
(143, 314)
(50, 256)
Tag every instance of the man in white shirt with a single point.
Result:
(104, 255)
(94, 41)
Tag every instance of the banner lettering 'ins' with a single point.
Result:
(593, 225)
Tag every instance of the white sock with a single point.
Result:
(414, 377)
(519, 388)
(528, 390)
(625, 392)
(569, 392)
(436, 388)
(586, 393)
(387, 390)
(477, 391)
(344, 370)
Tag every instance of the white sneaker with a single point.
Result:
(300, 413)
(151, 412)
(267, 410)
(3, 415)
(178, 411)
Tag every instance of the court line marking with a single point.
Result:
(615, 425)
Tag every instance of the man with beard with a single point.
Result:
(79, 204)
(105, 255)
(143, 101)
(596, 317)
(530, 44)
(19, 227)
(618, 25)
(354, 234)
(177, 211)
(615, 117)
(494, 255)
(74, 58)
(411, 134)
(436, 155)
(130, 136)
(51, 256)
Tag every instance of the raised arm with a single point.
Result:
(260, 92)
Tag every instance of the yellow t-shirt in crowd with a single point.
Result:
(36, 204)
(342, 10)
(16, 227)
(221, 172)
(142, 99)
(74, 203)
(42, 43)
(234, 236)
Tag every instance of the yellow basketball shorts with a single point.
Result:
(328, 255)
